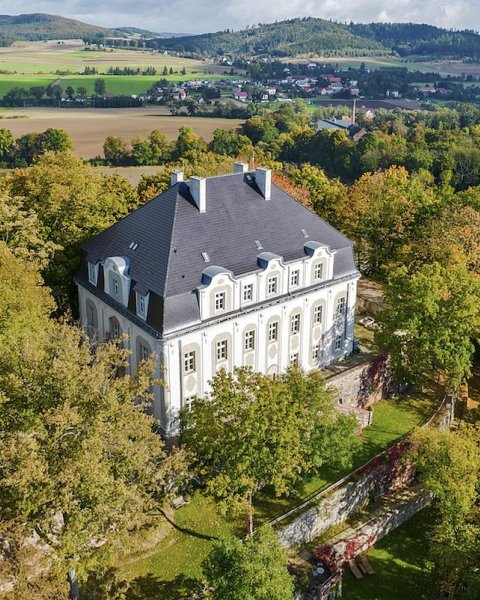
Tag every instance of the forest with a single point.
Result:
(328, 38)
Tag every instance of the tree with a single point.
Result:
(71, 203)
(382, 212)
(63, 409)
(188, 144)
(228, 143)
(253, 431)
(448, 463)
(6, 146)
(82, 91)
(53, 140)
(254, 569)
(100, 87)
(115, 150)
(25, 303)
(430, 320)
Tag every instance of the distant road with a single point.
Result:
(88, 128)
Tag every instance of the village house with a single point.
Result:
(215, 273)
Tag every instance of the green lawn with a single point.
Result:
(399, 561)
(180, 555)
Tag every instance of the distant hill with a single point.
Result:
(408, 39)
(285, 38)
(327, 38)
(39, 26)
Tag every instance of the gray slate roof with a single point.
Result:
(172, 235)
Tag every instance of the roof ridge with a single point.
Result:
(172, 229)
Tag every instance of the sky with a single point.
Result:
(201, 16)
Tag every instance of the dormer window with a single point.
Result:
(115, 287)
(92, 273)
(219, 301)
(318, 273)
(272, 285)
(141, 306)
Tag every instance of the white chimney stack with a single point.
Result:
(263, 177)
(198, 189)
(239, 167)
(176, 177)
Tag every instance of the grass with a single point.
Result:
(8, 82)
(181, 553)
(178, 558)
(400, 566)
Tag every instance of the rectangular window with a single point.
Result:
(272, 285)
(249, 340)
(144, 351)
(315, 352)
(92, 273)
(141, 306)
(273, 331)
(318, 272)
(317, 315)
(341, 306)
(339, 342)
(220, 301)
(295, 323)
(188, 402)
(115, 287)
(294, 359)
(248, 292)
(295, 278)
(189, 362)
(222, 350)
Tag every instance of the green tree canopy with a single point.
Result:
(254, 569)
(253, 431)
(430, 321)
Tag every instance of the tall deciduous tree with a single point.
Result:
(253, 431)
(431, 319)
(80, 463)
(449, 467)
(254, 569)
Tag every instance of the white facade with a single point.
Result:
(282, 314)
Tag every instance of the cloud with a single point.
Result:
(198, 16)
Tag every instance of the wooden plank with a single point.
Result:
(366, 565)
(354, 569)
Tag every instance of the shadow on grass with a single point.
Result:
(150, 587)
(186, 531)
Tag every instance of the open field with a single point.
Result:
(48, 57)
(25, 64)
(88, 128)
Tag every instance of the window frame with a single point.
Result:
(273, 328)
(189, 362)
(92, 273)
(247, 292)
(249, 340)
(115, 287)
(339, 342)
(272, 285)
(220, 301)
(318, 272)
(294, 360)
(317, 314)
(221, 350)
(295, 321)
(295, 278)
(341, 305)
